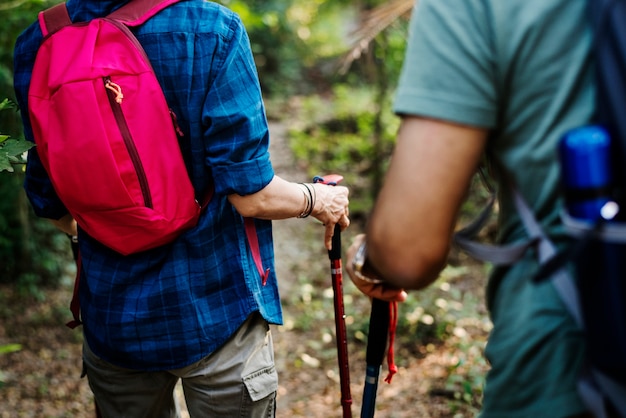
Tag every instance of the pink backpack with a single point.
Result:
(104, 132)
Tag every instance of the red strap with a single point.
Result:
(134, 13)
(253, 241)
(75, 303)
(393, 325)
(53, 19)
(208, 195)
(137, 12)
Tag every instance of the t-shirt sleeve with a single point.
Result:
(449, 68)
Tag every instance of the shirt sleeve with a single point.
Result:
(237, 137)
(37, 184)
(449, 66)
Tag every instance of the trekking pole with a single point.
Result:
(376, 344)
(334, 254)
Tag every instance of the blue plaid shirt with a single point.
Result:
(169, 307)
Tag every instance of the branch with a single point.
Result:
(374, 22)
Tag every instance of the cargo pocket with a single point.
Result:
(261, 383)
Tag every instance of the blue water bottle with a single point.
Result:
(586, 171)
(599, 264)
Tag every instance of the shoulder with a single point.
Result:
(196, 16)
(29, 40)
(24, 53)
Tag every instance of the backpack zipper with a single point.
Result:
(126, 31)
(114, 93)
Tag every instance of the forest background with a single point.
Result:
(328, 70)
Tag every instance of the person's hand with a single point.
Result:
(66, 224)
(331, 208)
(374, 286)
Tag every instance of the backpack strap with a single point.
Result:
(134, 13)
(546, 251)
(53, 19)
(75, 303)
(137, 12)
(508, 254)
(594, 387)
(253, 242)
(251, 236)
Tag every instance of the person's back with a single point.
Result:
(198, 38)
(197, 308)
(507, 79)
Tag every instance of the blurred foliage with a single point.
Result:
(6, 349)
(15, 16)
(299, 45)
(294, 41)
(337, 134)
(32, 253)
(12, 151)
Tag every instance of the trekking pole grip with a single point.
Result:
(376, 344)
(332, 180)
(335, 250)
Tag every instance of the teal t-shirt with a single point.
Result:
(522, 70)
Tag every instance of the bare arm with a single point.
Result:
(282, 199)
(410, 230)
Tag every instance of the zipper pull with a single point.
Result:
(115, 88)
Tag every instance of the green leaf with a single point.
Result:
(3, 138)
(14, 147)
(10, 348)
(5, 163)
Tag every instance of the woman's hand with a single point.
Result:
(331, 207)
(66, 224)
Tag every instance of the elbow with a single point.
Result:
(257, 205)
(244, 205)
(246, 211)
(415, 275)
